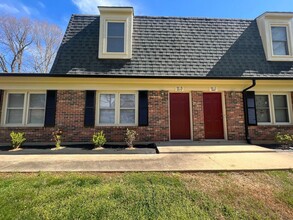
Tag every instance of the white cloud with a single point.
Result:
(8, 9)
(26, 9)
(41, 4)
(90, 6)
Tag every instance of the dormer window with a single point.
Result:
(280, 40)
(276, 31)
(115, 37)
(115, 40)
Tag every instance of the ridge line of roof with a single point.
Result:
(173, 17)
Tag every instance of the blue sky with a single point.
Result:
(59, 11)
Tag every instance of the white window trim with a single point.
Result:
(270, 52)
(25, 108)
(106, 38)
(117, 108)
(272, 109)
(104, 20)
(288, 40)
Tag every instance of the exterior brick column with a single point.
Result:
(197, 115)
(235, 115)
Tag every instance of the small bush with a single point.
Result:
(130, 137)
(286, 140)
(17, 138)
(99, 139)
(57, 137)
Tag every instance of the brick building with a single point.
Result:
(169, 78)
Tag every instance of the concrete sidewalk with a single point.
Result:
(157, 162)
(202, 147)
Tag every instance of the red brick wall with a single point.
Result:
(197, 115)
(235, 115)
(70, 118)
(268, 132)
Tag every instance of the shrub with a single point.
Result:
(130, 137)
(286, 140)
(57, 137)
(99, 139)
(17, 138)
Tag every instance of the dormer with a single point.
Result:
(115, 40)
(276, 32)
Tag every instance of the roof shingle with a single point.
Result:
(171, 46)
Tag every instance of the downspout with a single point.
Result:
(247, 137)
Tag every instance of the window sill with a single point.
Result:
(23, 126)
(274, 124)
(288, 58)
(116, 125)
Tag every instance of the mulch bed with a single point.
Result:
(275, 146)
(82, 149)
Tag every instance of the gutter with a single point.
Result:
(49, 75)
(247, 137)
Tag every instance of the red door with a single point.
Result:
(179, 116)
(213, 116)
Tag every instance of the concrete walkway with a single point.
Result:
(209, 147)
(157, 162)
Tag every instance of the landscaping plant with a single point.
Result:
(285, 140)
(17, 138)
(130, 138)
(99, 140)
(57, 137)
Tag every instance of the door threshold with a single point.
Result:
(180, 140)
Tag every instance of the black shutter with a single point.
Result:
(143, 116)
(89, 113)
(249, 97)
(50, 108)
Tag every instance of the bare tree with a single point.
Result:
(27, 45)
(15, 37)
(44, 48)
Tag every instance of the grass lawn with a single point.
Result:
(237, 195)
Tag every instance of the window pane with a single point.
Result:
(127, 101)
(281, 108)
(107, 116)
(115, 29)
(280, 48)
(107, 101)
(263, 115)
(262, 101)
(37, 100)
(115, 44)
(127, 116)
(14, 116)
(262, 108)
(279, 37)
(282, 115)
(15, 100)
(36, 116)
(280, 101)
(279, 33)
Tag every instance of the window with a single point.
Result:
(279, 40)
(115, 37)
(275, 113)
(262, 108)
(25, 108)
(117, 109)
(281, 108)
(276, 31)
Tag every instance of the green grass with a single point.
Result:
(147, 196)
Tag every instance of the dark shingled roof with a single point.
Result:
(171, 46)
